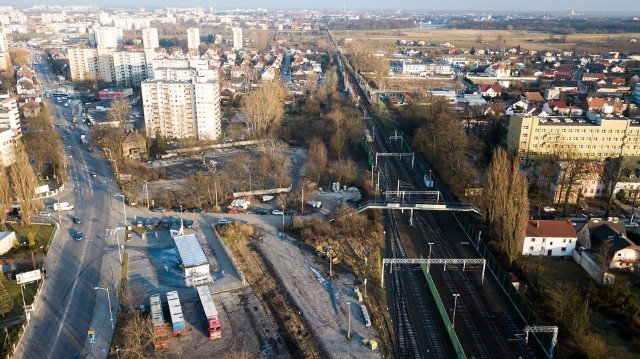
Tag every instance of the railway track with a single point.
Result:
(476, 324)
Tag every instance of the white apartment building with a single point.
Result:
(107, 37)
(4, 45)
(8, 138)
(193, 38)
(150, 38)
(433, 68)
(119, 67)
(237, 38)
(180, 109)
(9, 130)
(83, 63)
(129, 68)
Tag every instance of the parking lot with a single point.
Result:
(154, 269)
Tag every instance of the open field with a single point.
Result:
(490, 39)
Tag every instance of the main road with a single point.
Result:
(69, 306)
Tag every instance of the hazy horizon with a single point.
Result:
(627, 7)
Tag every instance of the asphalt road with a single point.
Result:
(69, 302)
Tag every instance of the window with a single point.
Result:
(533, 240)
(564, 240)
(550, 243)
(563, 249)
(531, 248)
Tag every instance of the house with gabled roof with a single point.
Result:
(549, 238)
(623, 253)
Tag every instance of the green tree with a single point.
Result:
(6, 303)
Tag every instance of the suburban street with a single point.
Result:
(69, 305)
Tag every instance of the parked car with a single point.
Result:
(632, 225)
(262, 212)
(156, 223)
(198, 210)
(77, 220)
(77, 236)
(233, 211)
(44, 214)
(147, 222)
(166, 223)
(290, 212)
(548, 209)
(158, 209)
(277, 212)
(223, 221)
(188, 223)
(138, 223)
(93, 174)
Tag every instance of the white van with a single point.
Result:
(62, 206)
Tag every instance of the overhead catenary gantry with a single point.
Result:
(429, 261)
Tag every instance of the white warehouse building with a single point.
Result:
(194, 261)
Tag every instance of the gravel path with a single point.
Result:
(323, 302)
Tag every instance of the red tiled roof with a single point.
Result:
(542, 228)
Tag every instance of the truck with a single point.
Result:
(157, 318)
(62, 206)
(175, 310)
(210, 312)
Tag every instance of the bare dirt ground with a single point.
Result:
(246, 329)
(324, 301)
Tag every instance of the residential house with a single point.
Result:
(622, 254)
(592, 77)
(134, 146)
(549, 238)
(533, 97)
(490, 90)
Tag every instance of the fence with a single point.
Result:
(443, 313)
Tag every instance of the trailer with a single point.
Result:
(177, 318)
(157, 318)
(210, 312)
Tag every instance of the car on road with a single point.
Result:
(223, 221)
(166, 223)
(180, 209)
(277, 212)
(93, 174)
(77, 236)
(198, 210)
(262, 212)
(188, 223)
(158, 209)
(290, 212)
(77, 220)
(244, 221)
(90, 149)
(64, 138)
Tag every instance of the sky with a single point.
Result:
(629, 7)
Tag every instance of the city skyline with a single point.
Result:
(587, 6)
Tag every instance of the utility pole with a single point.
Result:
(429, 259)
(455, 304)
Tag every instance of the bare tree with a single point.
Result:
(507, 203)
(120, 111)
(603, 255)
(5, 194)
(613, 171)
(264, 106)
(24, 185)
(318, 159)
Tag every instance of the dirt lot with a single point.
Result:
(246, 329)
(324, 301)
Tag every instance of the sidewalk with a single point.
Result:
(111, 272)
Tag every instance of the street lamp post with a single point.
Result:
(429, 259)
(455, 303)
(283, 218)
(109, 299)
(302, 197)
(349, 326)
